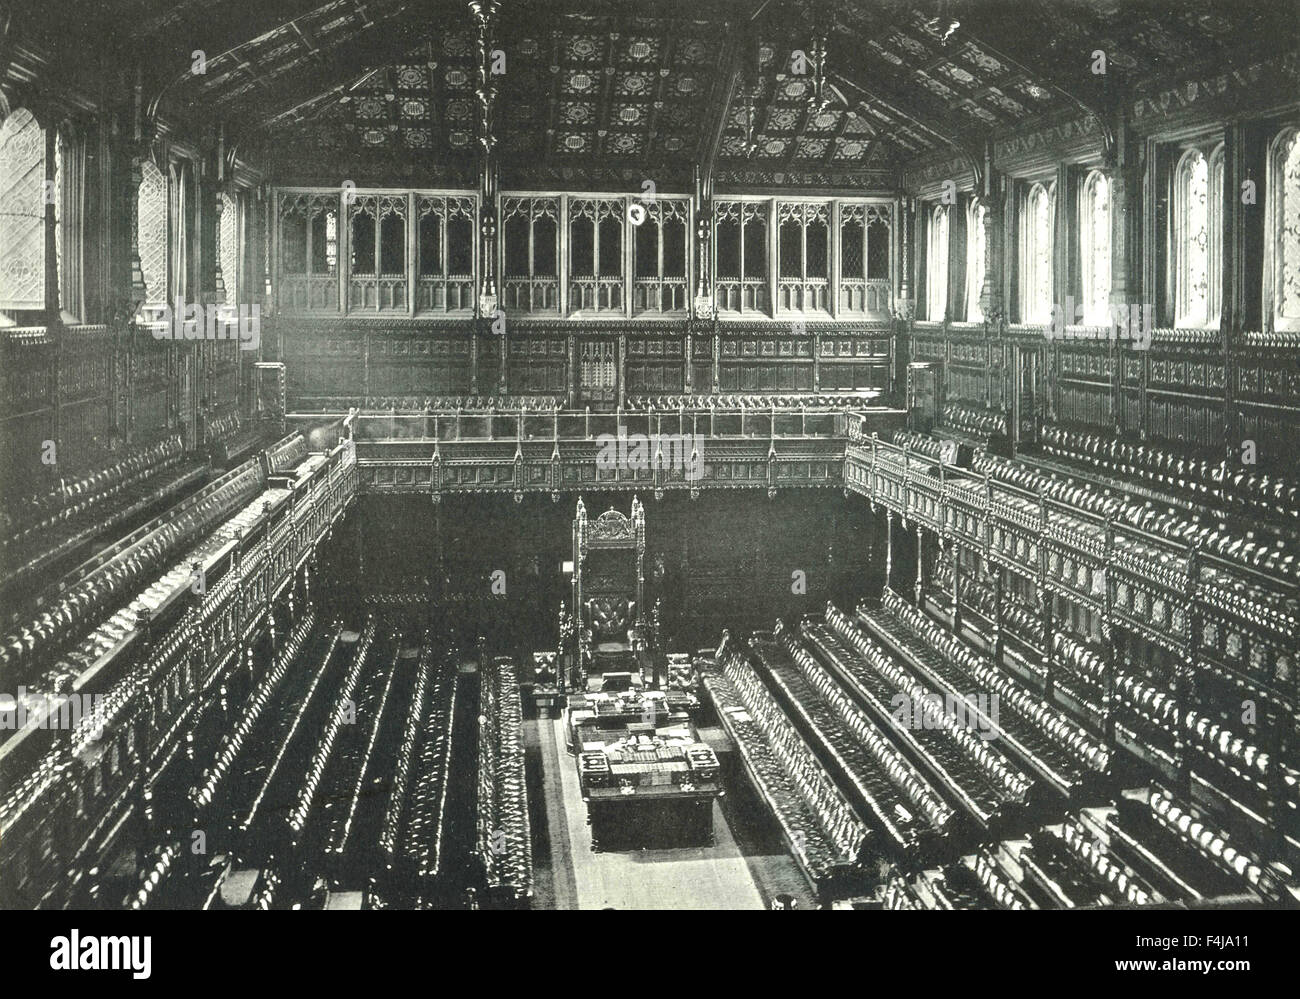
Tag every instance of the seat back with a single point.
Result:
(609, 617)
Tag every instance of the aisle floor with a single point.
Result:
(727, 875)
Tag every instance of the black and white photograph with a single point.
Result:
(651, 455)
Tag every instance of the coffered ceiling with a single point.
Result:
(603, 92)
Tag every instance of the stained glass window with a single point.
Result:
(1285, 242)
(230, 248)
(22, 212)
(152, 207)
(936, 266)
(976, 259)
(1036, 256)
(1094, 237)
(1197, 256)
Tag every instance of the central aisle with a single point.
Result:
(716, 877)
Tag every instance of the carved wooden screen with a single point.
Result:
(803, 251)
(530, 250)
(378, 234)
(596, 255)
(445, 250)
(309, 251)
(597, 371)
(659, 258)
(740, 262)
(865, 285)
(22, 212)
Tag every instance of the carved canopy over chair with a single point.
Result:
(609, 585)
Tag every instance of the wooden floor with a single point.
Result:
(743, 870)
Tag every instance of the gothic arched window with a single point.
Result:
(1282, 250)
(976, 259)
(22, 212)
(936, 264)
(1094, 248)
(1036, 255)
(1197, 259)
(231, 229)
(151, 206)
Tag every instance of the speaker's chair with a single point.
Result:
(610, 620)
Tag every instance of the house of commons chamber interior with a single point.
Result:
(672, 454)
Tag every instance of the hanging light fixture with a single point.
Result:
(750, 76)
(820, 99)
(942, 25)
(751, 145)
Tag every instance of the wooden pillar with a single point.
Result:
(956, 588)
(919, 587)
(473, 358)
(889, 549)
(688, 360)
(817, 360)
(997, 575)
(1233, 288)
(717, 362)
(1108, 639)
(413, 249)
(833, 271)
(992, 303)
(1044, 595)
(503, 367)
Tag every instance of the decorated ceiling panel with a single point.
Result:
(782, 91)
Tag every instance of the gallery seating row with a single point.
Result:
(891, 787)
(108, 579)
(1274, 555)
(342, 706)
(669, 403)
(421, 847)
(924, 445)
(977, 421)
(1236, 488)
(824, 832)
(355, 767)
(231, 440)
(39, 531)
(415, 404)
(267, 770)
(504, 837)
(888, 791)
(211, 782)
(963, 765)
(1143, 848)
(1051, 742)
